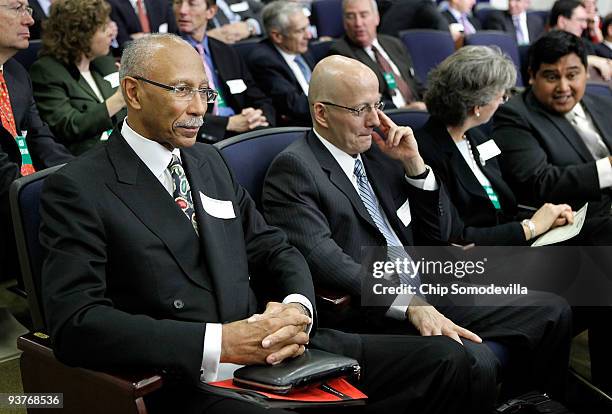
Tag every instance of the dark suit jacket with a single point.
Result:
(69, 105)
(273, 75)
(39, 17)
(544, 159)
(475, 219)
(229, 65)
(398, 54)
(252, 12)
(158, 12)
(502, 20)
(126, 280)
(451, 19)
(411, 14)
(603, 51)
(307, 194)
(43, 148)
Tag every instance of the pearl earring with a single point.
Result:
(477, 114)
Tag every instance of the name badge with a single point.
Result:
(239, 7)
(223, 209)
(488, 150)
(163, 28)
(236, 86)
(403, 213)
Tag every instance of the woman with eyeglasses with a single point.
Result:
(75, 81)
(464, 92)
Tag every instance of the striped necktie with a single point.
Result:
(371, 204)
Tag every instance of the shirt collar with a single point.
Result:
(346, 161)
(155, 156)
(194, 42)
(456, 13)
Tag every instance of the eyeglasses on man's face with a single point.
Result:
(19, 9)
(358, 111)
(184, 93)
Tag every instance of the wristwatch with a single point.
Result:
(531, 226)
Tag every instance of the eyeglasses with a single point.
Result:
(361, 109)
(185, 93)
(20, 10)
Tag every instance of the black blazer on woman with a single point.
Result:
(475, 219)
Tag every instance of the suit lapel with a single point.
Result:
(565, 128)
(338, 177)
(214, 240)
(601, 118)
(148, 199)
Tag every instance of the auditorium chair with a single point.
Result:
(327, 17)
(29, 55)
(506, 42)
(84, 390)
(427, 48)
(408, 117)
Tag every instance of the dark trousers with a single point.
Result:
(400, 374)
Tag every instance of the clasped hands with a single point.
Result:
(267, 338)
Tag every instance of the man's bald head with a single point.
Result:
(336, 75)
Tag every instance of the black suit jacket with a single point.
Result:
(451, 19)
(273, 75)
(228, 66)
(158, 11)
(475, 219)
(411, 14)
(603, 50)
(39, 17)
(502, 20)
(44, 150)
(128, 283)
(544, 159)
(398, 54)
(307, 194)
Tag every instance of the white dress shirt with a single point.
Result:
(297, 72)
(347, 165)
(157, 158)
(604, 168)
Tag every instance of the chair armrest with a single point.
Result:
(84, 390)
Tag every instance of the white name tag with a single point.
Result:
(236, 86)
(404, 213)
(488, 150)
(113, 79)
(239, 7)
(163, 28)
(222, 209)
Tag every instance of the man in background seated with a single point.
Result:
(604, 49)
(40, 13)
(571, 16)
(135, 18)
(236, 20)
(385, 55)
(281, 64)
(555, 139)
(412, 14)
(459, 15)
(152, 247)
(241, 105)
(21, 129)
(524, 26)
(335, 193)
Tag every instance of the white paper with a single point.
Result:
(563, 233)
(488, 150)
(239, 7)
(113, 79)
(222, 209)
(163, 28)
(404, 213)
(236, 86)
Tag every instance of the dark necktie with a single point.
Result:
(181, 190)
(402, 86)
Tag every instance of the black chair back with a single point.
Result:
(28, 56)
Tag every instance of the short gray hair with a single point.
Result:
(136, 59)
(276, 15)
(373, 5)
(470, 77)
